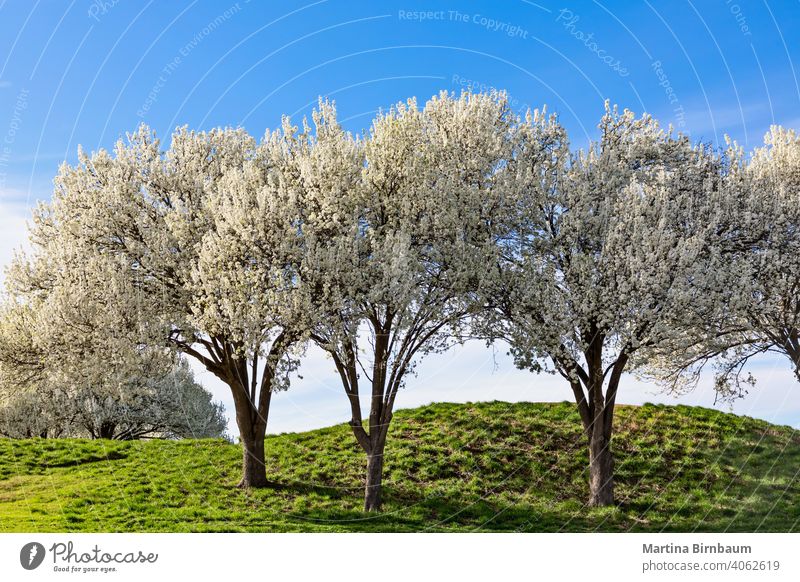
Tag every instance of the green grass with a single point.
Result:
(449, 467)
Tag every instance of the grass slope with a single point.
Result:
(449, 467)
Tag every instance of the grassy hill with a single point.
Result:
(469, 467)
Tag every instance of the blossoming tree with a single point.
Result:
(756, 271)
(137, 248)
(596, 259)
(394, 234)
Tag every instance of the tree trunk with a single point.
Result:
(252, 430)
(252, 423)
(372, 491)
(107, 430)
(254, 468)
(596, 410)
(601, 470)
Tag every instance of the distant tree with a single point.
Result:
(596, 259)
(171, 405)
(395, 236)
(31, 414)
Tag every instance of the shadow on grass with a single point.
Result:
(405, 512)
(300, 488)
(112, 456)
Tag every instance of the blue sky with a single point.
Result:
(87, 71)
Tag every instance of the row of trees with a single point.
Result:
(168, 405)
(458, 220)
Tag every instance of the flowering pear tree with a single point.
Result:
(20, 358)
(137, 248)
(595, 260)
(756, 281)
(169, 405)
(394, 234)
(162, 405)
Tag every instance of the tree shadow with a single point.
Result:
(111, 456)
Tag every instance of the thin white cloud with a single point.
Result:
(750, 120)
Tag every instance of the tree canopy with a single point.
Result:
(642, 252)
